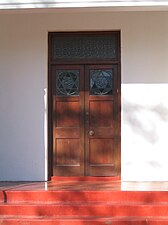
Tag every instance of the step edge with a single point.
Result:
(86, 218)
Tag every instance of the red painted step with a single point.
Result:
(73, 196)
(102, 209)
(86, 221)
(1, 196)
(83, 208)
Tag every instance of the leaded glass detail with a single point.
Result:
(101, 82)
(67, 82)
(79, 46)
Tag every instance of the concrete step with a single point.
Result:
(83, 207)
(85, 221)
(75, 196)
(102, 209)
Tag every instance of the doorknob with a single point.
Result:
(91, 132)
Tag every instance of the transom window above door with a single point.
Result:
(85, 46)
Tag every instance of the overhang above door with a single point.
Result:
(48, 4)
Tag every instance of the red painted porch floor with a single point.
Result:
(65, 184)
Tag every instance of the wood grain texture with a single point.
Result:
(100, 148)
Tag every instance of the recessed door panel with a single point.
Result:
(67, 153)
(68, 113)
(101, 151)
(101, 113)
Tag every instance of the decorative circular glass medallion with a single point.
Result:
(67, 82)
(101, 82)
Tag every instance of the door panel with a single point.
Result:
(100, 81)
(68, 113)
(100, 151)
(68, 126)
(101, 113)
(66, 150)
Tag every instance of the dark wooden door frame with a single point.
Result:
(83, 62)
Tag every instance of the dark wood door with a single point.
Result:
(85, 120)
(68, 125)
(101, 108)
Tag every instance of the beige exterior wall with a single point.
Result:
(23, 85)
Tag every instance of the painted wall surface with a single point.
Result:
(23, 86)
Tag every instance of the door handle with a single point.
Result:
(91, 132)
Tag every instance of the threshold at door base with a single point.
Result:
(85, 178)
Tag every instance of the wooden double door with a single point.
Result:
(86, 120)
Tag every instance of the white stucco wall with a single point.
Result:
(23, 82)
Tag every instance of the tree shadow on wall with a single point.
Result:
(134, 113)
